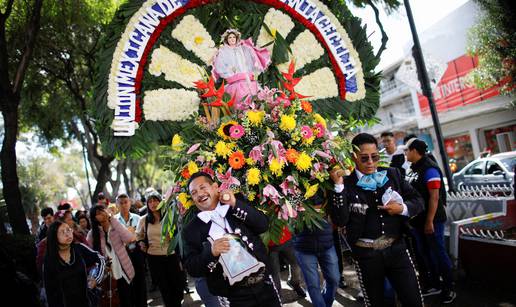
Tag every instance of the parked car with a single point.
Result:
(497, 169)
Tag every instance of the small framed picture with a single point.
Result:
(237, 263)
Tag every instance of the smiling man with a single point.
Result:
(206, 238)
(374, 204)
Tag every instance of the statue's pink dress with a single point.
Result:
(239, 66)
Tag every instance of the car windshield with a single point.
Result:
(509, 163)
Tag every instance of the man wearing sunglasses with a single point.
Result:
(374, 204)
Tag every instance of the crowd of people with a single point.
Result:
(390, 218)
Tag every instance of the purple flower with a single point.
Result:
(271, 193)
(256, 154)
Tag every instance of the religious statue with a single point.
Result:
(239, 62)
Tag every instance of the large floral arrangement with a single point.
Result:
(277, 153)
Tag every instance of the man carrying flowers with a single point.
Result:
(210, 241)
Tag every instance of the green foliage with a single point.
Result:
(493, 40)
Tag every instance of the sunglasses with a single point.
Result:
(373, 157)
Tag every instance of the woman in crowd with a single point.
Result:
(84, 224)
(65, 268)
(165, 269)
(109, 237)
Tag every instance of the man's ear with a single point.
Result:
(215, 185)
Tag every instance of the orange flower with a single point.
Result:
(307, 106)
(184, 173)
(237, 160)
(292, 155)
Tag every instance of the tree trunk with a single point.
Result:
(11, 189)
(102, 178)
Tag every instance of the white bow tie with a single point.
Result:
(218, 213)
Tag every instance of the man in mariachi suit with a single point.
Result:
(374, 204)
(206, 238)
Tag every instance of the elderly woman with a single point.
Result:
(237, 61)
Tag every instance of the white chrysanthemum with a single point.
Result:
(277, 21)
(192, 34)
(174, 67)
(319, 84)
(305, 49)
(170, 104)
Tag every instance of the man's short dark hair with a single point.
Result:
(408, 137)
(46, 211)
(64, 206)
(363, 138)
(197, 175)
(417, 144)
(120, 196)
(387, 133)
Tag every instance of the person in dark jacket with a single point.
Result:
(65, 274)
(374, 204)
(315, 248)
(48, 218)
(427, 179)
(207, 238)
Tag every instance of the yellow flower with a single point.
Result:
(182, 198)
(319, 119)
(255, 117)
(304, 162)
(223, 130)
(192, 168)
(250, 162)
(265, 177)
(253, 176)
(198, 40)
(276, 167)
(273, 32)
(287, 123)
(222, 149)
(188, 204)
(311, 190)
(177, 142)
(251, 196)
(221, 169)
(309, 141)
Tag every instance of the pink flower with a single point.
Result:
(287, 212)
(323, 154)
(236, 131)
(267, 95)
(271, 193)
(193, 148)
(286, 187)
(278, 152)
(319, 128)
(256, 154)
(227, 180)
(306, 132)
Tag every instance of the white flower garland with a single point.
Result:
(360, 94)
(191, 32)
(305, 49)
(170, 104)
(277, 21)
(174, 67)
(319, 85)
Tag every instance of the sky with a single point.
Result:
(425, 12)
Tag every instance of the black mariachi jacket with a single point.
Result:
(200, 262)
(417, 180)
(356, 208)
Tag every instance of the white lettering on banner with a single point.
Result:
(337, 45)
(451, 87)
(126, 69)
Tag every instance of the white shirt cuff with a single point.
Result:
(339, 187)
(405, 210)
